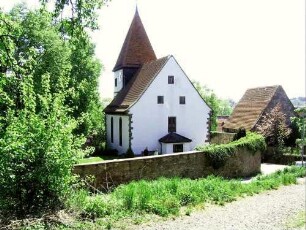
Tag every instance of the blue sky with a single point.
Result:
(228, 45)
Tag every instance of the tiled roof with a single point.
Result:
(136, 86)
(174, 138)
(136, 49)
(250, 107)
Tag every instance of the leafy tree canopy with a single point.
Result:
(34, 43)
(219, 106)
(76, 13)
(48, 102)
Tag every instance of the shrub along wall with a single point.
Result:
(273, 156)
(239, 161)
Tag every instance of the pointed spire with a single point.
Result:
(136, 49)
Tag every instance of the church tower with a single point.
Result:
(136, 50)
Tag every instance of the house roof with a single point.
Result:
(250, 107)
(136, 49)
(174, 138)
(136, 86)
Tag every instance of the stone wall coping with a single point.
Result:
(225, 133)
(138, 158)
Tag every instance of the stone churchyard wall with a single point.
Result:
(221, 137)
(195, 164)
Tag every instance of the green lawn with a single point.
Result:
(97, 159)
(297, 221)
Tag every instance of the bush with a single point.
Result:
(241, 133)
(218, 154)
(37, 152)
(129, 153)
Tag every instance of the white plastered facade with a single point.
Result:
(150, 119)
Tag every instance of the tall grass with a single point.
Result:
(166, 196)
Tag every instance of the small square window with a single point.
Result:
(160, 99)
(182, 100)
(170, 79)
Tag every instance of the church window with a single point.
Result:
(112, 129)
(160, 99)
(170, 79)
(182, 100)
(171, 124)
(120, 131)
(115, 82)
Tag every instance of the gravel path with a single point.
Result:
(270, 210)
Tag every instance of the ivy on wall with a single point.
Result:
(218, 154)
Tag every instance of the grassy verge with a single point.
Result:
(297, 221)
(97, 159)
(90, 160)
(138, 201)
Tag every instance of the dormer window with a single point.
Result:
(170, 79)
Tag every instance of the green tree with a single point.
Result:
(81, 13)
(83, 80)
(85, 71)
(298, 126)
(33, 43)
(219, 107)
(225, 107)
(47, 67)
(37, 152)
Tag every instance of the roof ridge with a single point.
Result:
(261, 87)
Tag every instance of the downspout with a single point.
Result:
(208, 123)
(161, 148)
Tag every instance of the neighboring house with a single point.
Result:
(155, 107)
(255, 104)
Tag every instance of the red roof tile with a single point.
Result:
(250, 108)
(136, 49)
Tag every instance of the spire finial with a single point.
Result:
(136, 2)
(136, 49)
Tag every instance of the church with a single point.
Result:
(155, 105)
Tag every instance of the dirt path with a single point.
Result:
(271, 210)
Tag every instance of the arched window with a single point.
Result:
(120, 131)
(112, 129)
